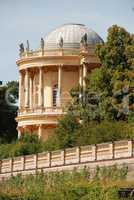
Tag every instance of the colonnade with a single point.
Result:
(26, 84)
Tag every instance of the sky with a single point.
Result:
(32, 19)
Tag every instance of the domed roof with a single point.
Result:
(71, 35)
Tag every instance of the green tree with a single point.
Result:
(117, 56)
(65, 133)
(8, 111)
(109, 90)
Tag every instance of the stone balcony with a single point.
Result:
(42, 111)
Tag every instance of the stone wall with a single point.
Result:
(106, 154)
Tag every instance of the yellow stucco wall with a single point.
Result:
(50, 79)
(70, 79)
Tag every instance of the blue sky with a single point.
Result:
(32, 19)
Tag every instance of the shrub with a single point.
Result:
(105, 131)
(27, 144)
(61, 186)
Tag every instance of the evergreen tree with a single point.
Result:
(8, 111)
(109, 90)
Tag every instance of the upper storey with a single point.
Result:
(66, 45)
(71, 36)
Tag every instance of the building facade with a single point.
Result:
(47, 75)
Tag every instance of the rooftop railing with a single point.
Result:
(54, 52)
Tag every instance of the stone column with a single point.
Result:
(40, 131)
(59, 85)
(40, 99)
(31, 91)
(26, 89)
(84, 75)
(19, 133)
(20, 89)
(80, 75)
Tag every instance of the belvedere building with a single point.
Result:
(47, 75)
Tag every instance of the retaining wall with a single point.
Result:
(105, 154)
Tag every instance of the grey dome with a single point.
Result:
(71, 34)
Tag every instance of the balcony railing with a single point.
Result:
(43, 110)
(54, 52)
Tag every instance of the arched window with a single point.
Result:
(55, 95)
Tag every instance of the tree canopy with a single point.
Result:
(109, 90)
(8, 111)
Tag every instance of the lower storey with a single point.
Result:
(43, 131)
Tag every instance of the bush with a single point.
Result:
(106, 131)
(70, 133)
(27, 144)
(63, 186)
(65, 132)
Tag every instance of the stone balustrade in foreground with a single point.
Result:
(106, 154)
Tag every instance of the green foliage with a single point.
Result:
(75, 185)
(89, 133)
(8, 112)
(28, 144)
(109, 89)
(64, 135)
(113, 173)
(106, 131)
(13, 87)
(131, 117)
(118, 51)
(116, 56)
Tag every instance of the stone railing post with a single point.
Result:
(36, 162)
(111, 150)
(11, 166)
(130, 148)
(94, 152)
(78, 154)
(23, 163)
(49, 158)
(63, 157)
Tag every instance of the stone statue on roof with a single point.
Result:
(84, 40)
(42, 44)
(21, 48)
(27, 47)
(61, 42)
